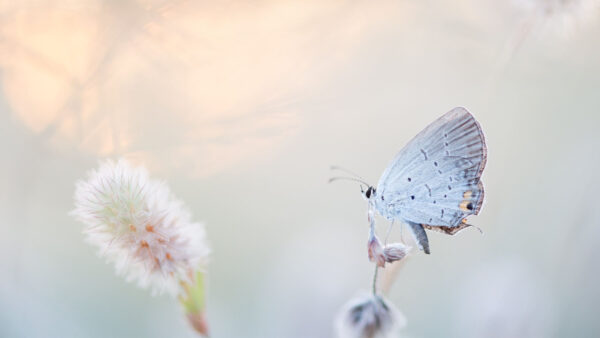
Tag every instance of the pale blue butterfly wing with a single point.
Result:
(435, 179)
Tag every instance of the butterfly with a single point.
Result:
(434, 182)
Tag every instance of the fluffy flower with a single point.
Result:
(375, 251)
(369, 316)
(137, 224)
(390, 253)
(395, 252)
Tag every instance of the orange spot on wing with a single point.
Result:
(144, 244)
(132, 227)
(467, 194)
(149, 228)
(466, 205)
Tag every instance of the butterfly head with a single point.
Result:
(369, 193)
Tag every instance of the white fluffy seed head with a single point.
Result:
(369, 316)
(139, 226)
(395, 252)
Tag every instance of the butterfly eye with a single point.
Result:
(368, 193)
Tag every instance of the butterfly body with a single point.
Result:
(434, 181)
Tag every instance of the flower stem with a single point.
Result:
(193, 301)
(375, 280)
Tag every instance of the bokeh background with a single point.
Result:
(242, 106)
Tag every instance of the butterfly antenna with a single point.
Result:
(337, 167)
(337, 178)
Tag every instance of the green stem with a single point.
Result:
(375, 280)
(193, 301)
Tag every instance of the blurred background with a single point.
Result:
(243, 106)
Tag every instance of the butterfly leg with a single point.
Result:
(388, 232)
(420, 236)
(402, 233)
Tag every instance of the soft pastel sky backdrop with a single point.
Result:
(243, 106)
